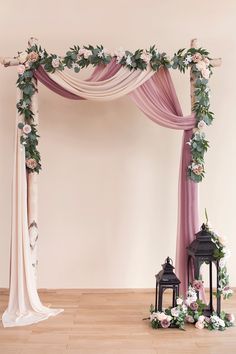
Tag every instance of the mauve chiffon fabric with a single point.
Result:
(157, 99)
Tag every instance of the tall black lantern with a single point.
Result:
(200, 251)
(166, 279)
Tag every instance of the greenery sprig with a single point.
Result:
(77, 58)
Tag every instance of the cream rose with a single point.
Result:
(22, 57)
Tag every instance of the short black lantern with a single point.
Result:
(166, 279)
(202, 250)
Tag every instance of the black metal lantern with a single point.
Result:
(202, 250)
(166, 279)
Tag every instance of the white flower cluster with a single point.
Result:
(191, 296)
(217, 322)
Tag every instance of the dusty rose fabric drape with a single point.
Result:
(154, 94)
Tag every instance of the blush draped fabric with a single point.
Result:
(154, 93)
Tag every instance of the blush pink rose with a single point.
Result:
(165, 323)
(201, 125)
(230, 317)
(55, 62)
(20, 69)
(205, 73)
(189, 319)
(26, 129)
(33, 56)
(31, 163)
(146, 57)
(201, 65)
(196, 57)
(199, 325)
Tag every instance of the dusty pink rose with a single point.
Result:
(189, 319)
(198, 169)
(199, 325)
(33, 56)
(20, 69)
(230, 317)
(197, 284)
(31, 163)
(55, 62)
(193, 306)
(205, 73)
(26, 129)
(201, 125)
(165, 323)
(196, 57)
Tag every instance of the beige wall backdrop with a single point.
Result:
(108, 188)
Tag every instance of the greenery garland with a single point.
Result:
(77, 57)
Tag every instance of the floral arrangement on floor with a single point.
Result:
(171, 317)
(77, 57)
(190, 310)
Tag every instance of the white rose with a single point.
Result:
(161, 316)
(221, 323)
(175, 312)
(179, 301)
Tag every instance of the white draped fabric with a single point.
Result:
(24, 307)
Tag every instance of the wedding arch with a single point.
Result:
(144, 76)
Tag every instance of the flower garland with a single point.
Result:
(190, 311)
(77, 57)
(221, 255)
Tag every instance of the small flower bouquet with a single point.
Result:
(172, 317)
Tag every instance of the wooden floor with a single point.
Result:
(109, 322)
